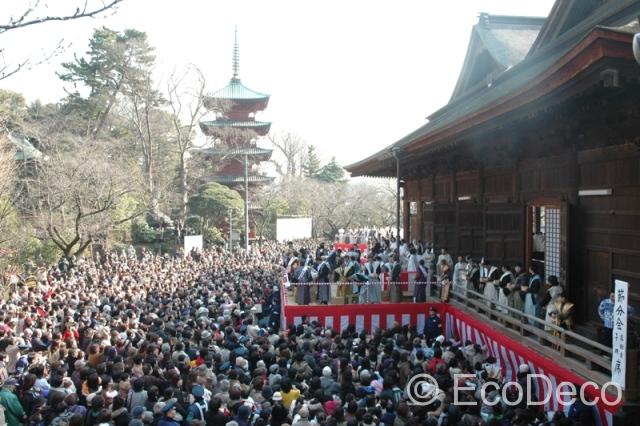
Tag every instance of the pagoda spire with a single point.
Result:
(236, 56)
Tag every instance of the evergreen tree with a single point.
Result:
(311, 166)
(331, 172)
(117, 63)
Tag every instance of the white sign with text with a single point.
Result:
(619, 347)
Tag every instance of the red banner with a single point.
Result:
(364, 317)
(461, 326)
(348, 246)
(511, 353)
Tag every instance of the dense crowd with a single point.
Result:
(130, 339)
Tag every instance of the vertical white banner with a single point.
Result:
(344, 322)
(406, 319)
(328, 322)
(619, 347)
(192, 242)
(420, 323)
(375, 322)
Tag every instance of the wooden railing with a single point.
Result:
(567, 343)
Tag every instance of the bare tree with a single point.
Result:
(8, 172)
(37, 12)
(186, 100)
(292, 147)
(77, 192)
(151, 129)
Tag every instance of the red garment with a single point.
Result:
(433, 364)
(330, 406)
(68, 335)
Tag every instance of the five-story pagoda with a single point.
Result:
(234, 133)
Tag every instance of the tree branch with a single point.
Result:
(84, 13)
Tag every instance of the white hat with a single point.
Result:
(523, 368)
(277, 396)
(326, 371)
(440, 338)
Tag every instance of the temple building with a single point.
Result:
(536, 157)
(234, 135)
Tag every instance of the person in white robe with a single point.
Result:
(505, 292)
(372, 291)
(460, 275)
(412, 268)
(446, 257)
(491, 286)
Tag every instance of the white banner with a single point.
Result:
(191, 242)
(294, 228)
(619, 347)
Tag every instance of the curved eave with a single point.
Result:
(521, 85)
(222, 104)
(217, 127)
(255, 153)
(237, 91)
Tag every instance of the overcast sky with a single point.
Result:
(350, 76)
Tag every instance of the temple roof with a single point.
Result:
(497, 43)
(223, 152)
(248, 124)
(235, 90)
(235, 151)
(528, 80)
(259, 127)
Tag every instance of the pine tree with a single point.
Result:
(331, 172)
(311, 166)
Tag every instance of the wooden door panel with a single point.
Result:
(598, 282)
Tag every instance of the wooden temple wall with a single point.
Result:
(484, 213)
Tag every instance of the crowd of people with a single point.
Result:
(354, 276)
(143, 339)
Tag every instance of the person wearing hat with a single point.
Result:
(327, 383)
(169, 414)
(279, 413)
(13, 412)
(302, 418)
(197, 410)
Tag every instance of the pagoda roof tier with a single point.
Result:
(236, 91)
(240, 179)
(225, 152)
(210, 127)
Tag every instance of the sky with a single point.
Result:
(350, 77)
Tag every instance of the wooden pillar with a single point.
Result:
(406, 220)
(418, 233)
